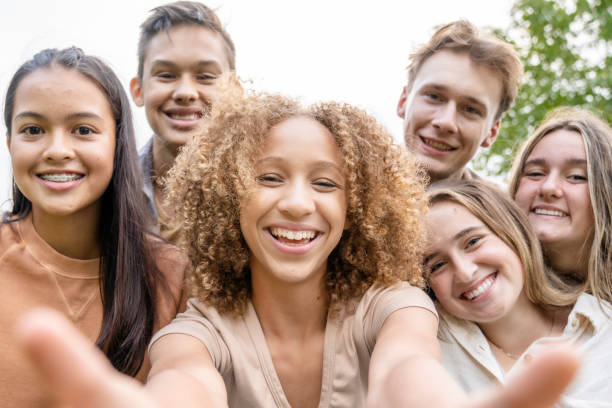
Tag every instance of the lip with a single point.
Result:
(293, 249)
(434, 150)
(485, 294)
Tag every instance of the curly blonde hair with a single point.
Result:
(213, 175)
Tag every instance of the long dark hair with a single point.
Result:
(128, 272)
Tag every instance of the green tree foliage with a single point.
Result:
(566, 49)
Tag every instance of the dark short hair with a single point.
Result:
(165, 17)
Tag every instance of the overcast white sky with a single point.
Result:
(349, 50)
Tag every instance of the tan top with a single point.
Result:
(468, 358)
(33, 274)
(239, 351)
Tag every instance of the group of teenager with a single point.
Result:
(262, 253)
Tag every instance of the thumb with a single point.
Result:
(538, 385)
(76, 372)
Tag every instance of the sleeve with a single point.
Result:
(379, 303)
(194, 323)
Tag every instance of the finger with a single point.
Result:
(539, 385)
(76, 372)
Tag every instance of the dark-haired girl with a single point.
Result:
(76, 238)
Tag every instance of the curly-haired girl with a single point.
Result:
(304, 228)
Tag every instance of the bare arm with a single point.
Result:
(405, 371)
(79, 375)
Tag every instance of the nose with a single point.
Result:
(465, 268)
(551, 186)
(185, 91)
(59, 148)
(297, 200)
(445, 118)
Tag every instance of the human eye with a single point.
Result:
(433, 96)
(32, 130)
(533, 173)
(83, 130)
(205, 77)
(325, 184)
(435, 266)
(578, 178)
(472, 110)
(269, 179)
(165, 75)
(473, 241)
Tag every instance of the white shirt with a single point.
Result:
(468, 358)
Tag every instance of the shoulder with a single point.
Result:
(397, 296)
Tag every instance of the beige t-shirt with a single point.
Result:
(468, 358)
(33, 274)
(240, 353)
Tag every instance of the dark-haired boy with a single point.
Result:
(182, 51)
(459, 85)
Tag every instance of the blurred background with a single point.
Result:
(348, 50)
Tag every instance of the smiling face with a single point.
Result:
(553, 191)
(295, 216)
(450, 112)
(62, 142)
(178, 85)
(473, 273)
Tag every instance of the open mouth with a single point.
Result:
(185, 116)
(473, 294)
(554, 213)
(437, 145)
(60, 177)
(291, 237)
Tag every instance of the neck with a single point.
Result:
(433, 178)
(163, 156)
(516, 330)
(566, 262)
(74, 235)
(296, 311)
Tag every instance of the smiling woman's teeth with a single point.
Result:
(486, 284)
(556, 213)
(61, 177)
(292, 235)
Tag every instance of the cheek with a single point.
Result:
(441, 288)
(524, 195)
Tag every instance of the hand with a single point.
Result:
(539, 385)
(76, 372)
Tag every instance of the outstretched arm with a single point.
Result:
(405, 371)
(79, 375)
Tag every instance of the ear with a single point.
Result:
(401, 104)
(8, 141)
(136, 91)
(488, 141)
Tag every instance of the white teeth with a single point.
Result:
(486, 284)
(292, 235)
(549, 212)
(437, 145)
(191, 116)
(61, 177)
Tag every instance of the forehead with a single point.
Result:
(457, 73)
(58, 89)
(302, 138)
(446, 218)
(187, 44)
(560, 144)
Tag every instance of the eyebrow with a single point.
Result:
(77, 115)
(541, 162)
(201, 63)
(318, 163)
(457, 237)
